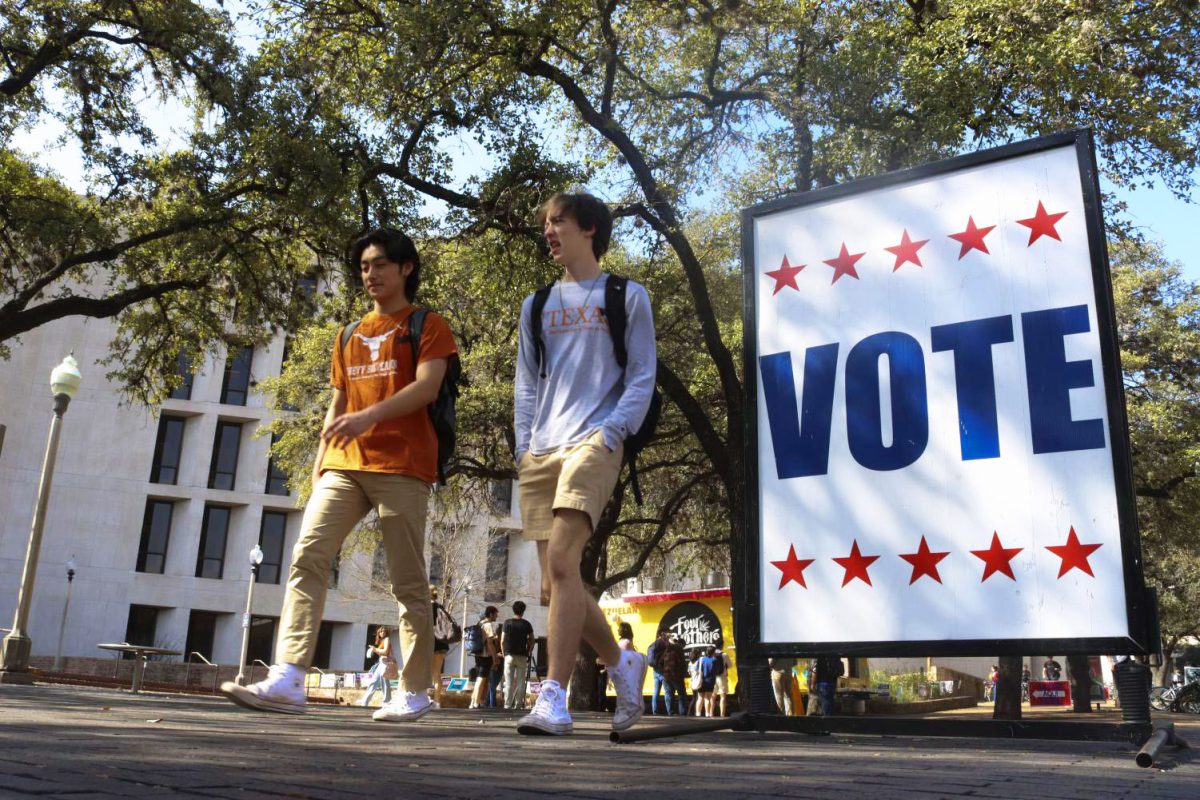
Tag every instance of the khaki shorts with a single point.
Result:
(580, 477)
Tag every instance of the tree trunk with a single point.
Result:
(1008, 689)
(585, 693)
(1081, 684)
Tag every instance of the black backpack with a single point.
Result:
(473, 639)
(614, 312)
(442, 411)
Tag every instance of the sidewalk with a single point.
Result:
(89, 744)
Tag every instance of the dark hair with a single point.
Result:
(625, 631)
(487, 612)
(588, 211)
(519, 607)
(397, 247)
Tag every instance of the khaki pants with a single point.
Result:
(340, 499)
(516, 670)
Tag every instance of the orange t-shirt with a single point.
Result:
(376, 363)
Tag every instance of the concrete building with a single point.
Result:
(160, 508)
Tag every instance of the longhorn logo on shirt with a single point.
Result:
(374, 342)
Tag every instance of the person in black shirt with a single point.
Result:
(516, 644)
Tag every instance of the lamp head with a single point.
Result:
(256, 556)
(65, 378)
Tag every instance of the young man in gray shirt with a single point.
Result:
(574, 406)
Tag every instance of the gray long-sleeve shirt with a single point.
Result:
(584, 388)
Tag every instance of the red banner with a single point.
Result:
(1049, 693)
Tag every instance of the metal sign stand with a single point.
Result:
(1140, 606)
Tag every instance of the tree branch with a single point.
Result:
(26, 320)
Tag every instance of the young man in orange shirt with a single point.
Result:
(378, 451)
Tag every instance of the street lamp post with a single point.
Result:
(14, 654)
(462, 646)
(62, 626)
(256, 557)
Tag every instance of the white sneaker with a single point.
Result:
(628, 677)
(282, 690)
(549, 714)
(403, 707)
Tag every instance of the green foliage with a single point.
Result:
(1158, 314)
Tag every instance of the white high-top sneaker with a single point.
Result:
(282, 691)
(549, 714)
(628, 677)
(403, 707)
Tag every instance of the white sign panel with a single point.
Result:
(935, 455)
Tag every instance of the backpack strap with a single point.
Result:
(614, 312)
(347, 332)
(416, 327)
(535, 323)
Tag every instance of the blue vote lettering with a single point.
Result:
(910, 414)
(800, 429)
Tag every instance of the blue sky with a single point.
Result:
(1162, 217)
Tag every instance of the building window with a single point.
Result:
(502, 497)
(335, 570)
(156, 531)
(183, 366)
(437, 567)
(223, 469)
(287, 353)
(167, 448)
(276, 478)
(210, 561)
(270, 539)
(324, 650)
(202, 632)
(236, 383)
(308, 286)
(142, 625)
(262, 639)
(497, 566)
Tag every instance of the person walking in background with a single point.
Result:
(625, 637)
(581, 390)
(781, 683)
(654, 657)
(828, 669)
(721, 685)
(384, 670)
(708, 681)
(445, 633)
(378, 452)
(516, 645)
(993, 680)
(486, 657)
(697, 706)
(1051, 669)
(675, 676)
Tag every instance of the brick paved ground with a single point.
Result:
(86, 744)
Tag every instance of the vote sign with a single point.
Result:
(939, 460)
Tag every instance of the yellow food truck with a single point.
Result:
(701, 618)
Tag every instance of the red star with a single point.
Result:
(785, 276)
(844, 265)
(996, 558)
(971, 238)
(792, 568)
(906, 251)
(1042, 224)
(1074, 555)
(856, 565)
(924, 562)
